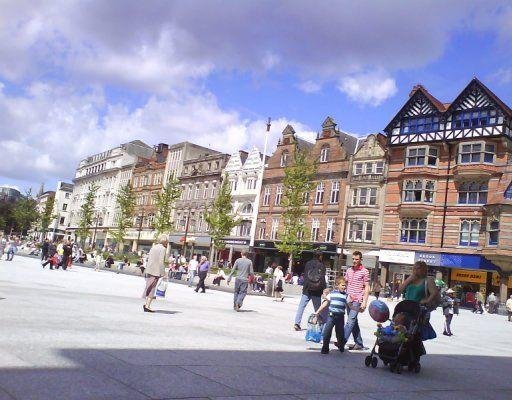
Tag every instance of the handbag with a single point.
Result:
(161, 288)
(427, 332)
(314, 332)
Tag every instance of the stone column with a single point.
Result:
(134, 245)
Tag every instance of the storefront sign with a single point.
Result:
(396, 256)
(464, 275)
(429, 258)
(496, 280)
(466, 261)
(239, 242)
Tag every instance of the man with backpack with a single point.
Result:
(314, 284)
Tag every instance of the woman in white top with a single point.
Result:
(278, 283)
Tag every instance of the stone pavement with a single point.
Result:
(81, 334)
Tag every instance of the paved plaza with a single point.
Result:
(81, 334)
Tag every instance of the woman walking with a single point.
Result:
(448, 303)
(203, 268)
(278, 283)
(155, 269)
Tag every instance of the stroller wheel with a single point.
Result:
(374, 362)
(385, 363)
(417, 368)
(368, 360)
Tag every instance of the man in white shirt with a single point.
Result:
(269, 270)
(192, 270)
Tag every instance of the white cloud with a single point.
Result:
(309, 87)
(368, 88)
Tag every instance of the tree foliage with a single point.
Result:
(7, 221)
(125, 202)
(219, 216)
(86, 214)
(164, 204)
(46, 216)
(298, 182)
(25, 212)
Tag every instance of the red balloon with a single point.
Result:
(379, 311)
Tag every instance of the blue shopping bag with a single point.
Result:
(314, 332)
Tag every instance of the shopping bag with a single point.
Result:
(314, 332)
(427, 332)
(161, 288)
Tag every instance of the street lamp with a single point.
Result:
(96, 220)
(140, 219)
(186, 224)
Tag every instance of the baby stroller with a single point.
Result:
(401, 353)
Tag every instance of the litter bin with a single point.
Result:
(269, 288)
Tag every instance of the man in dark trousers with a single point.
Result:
(66, 256)
(44, 250)
(244, 269)
(314, 285)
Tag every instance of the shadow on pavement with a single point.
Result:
(218, 374)
(166, 312)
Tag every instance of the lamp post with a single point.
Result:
(140, 219)
(186, 223)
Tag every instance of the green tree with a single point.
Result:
(7, 221)
(86, 214)
(25, 212)
(298, 183)
(220, 218)
(46, 216)
(164, 204)
(125, 201)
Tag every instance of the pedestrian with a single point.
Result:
(67, 251)
(312, 288)
(358, 289)
(479, 303)
(278, 283)
(44, 250)
(269, 270)
(53, 261)
(13, 248)
(448, 305)
(244, 269)
(192, 270)
(202, 271)
(98, 260)
(377, 287)
(491, 303)
(155, 269)
(336, 302)
(508, 306)
(3, 244)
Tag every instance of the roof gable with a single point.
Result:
(253, 159)
(234, 163)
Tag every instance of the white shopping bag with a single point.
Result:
(161, 288)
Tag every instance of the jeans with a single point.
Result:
(202, 277)
(352, 326)
(304, 300)
(336, 321)
(191, 277)
(240, 291)
(10, 255)
(447, 323)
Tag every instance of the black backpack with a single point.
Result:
(315, 277)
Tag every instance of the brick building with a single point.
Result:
(448, 190)
(325, 204)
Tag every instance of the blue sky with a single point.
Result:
(78, 78)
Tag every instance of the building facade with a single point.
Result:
(61, 210)
(242, 171)
(448, 190)
(108, 171)
(9, 194)
(200, 180)
(365, 199)
(325, 204)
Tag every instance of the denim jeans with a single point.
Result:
(336, 321)
(240, 291)
(191, 278)
(304, 300)
(352, 326)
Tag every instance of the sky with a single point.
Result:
(80, 77)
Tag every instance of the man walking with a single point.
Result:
(314, 284)
(202, 271)
(192, 269)
(358, 289)
(244, 267)
(44, 250)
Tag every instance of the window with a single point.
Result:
(319, 195)
(251, 183)
(275, 227)
(305, 198)
(469, 232)
(247, 208)
(183, 191)
(284, 158)
(64, 207)
(189, 193)
(418, 191)
(335, 192)
(473, 193)
(476, 153)
(266, 197)
(472, 119)
(205, 191)
(324, 154)
(421, 156)
(61, 220)
(508, 192)
(233, 185)
(261, 232)
(364, 197)
(419, 125)
(135, 181)
(214, 188)
(358, 169)
(368, 168)
(279, 195)
(329, 231)
(315, 229)
(360, 231)
(245, 228)
(196, 193)
(494, 231)
(413, 230)
(379, 167)
(66, 196)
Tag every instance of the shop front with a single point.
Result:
(193, 245)
(396, 266)
(232, 249)
(265, 254)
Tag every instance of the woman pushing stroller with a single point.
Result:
(420, 287)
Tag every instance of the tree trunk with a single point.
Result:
(290, 263)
